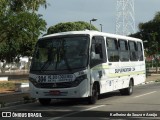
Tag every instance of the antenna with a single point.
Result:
(125, 21)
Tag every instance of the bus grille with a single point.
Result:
(54, 85)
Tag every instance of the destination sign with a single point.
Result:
(55, 78)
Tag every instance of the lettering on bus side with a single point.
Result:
(121, 70)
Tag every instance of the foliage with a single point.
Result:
(150, 33)
(70, 26)
(20, 27)
(152, 64)
(10, 85)
(25, 5)
(157, 80)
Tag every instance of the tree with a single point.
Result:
(150, 33)
(20, 28)
(70, 26)
(26, 5)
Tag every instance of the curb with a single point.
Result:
(16, 103)
(150, 82)
(147, 82)
(14, 93)
(21, 101)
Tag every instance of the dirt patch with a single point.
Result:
(9, 86)
(4, 91)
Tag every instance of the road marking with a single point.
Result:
(55, 118)
(144, 94)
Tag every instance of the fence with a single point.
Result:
(152, 67)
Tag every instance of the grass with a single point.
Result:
(157, 80)
(9, 86)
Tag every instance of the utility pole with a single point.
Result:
(101, 26)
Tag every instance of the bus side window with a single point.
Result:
(140, 53)
(112, 48)
(98, 54)
(133, 51)
(124, 53)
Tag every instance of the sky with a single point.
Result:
(103, 10)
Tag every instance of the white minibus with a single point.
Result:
(85, 64)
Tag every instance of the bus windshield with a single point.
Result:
(61, 53)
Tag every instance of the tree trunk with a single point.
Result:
(3, 68)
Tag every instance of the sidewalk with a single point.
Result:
(10, 99)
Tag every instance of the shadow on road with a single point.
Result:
(80, 101)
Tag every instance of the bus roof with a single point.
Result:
(90, 32)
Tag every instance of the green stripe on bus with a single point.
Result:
(112, 75)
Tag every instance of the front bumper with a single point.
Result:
(81, 91)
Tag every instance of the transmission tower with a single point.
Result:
(125, 21)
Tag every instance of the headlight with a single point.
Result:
(33, 81)
(78, 80)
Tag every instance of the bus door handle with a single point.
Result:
(100, 74)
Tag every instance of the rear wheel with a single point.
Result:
(129, 90)
(93, 98)
(44, 101)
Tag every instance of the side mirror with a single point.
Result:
(93, 55)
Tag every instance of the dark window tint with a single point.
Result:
(112, 48)
(98, 51)
(133, 51)
(140, 51)
(123, 51)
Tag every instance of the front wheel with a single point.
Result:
(44, 101)
(93, 98)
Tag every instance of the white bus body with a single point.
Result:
(84, 64)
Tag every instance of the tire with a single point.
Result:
(94, 97)
(44, 101)
(127, 91)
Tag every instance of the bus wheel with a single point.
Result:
(94, 97)
(127, 91)
(44, 101)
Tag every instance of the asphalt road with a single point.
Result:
(144, 103)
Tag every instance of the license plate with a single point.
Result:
(54, 92)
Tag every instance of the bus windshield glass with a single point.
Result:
(61, 53)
